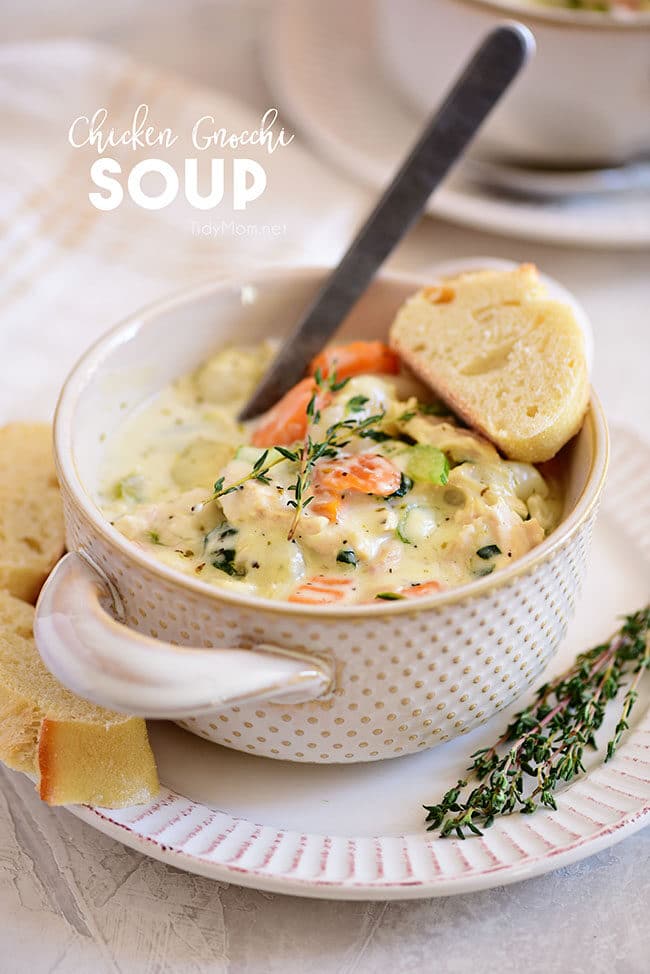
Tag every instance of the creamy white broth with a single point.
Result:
(460, 510)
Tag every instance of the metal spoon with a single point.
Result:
(445, 137)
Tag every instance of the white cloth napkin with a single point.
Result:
(69, 271)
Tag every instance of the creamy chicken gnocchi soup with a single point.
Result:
(355, 487)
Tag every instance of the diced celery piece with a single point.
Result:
(251, 454)
(427, 464)
(415, 524)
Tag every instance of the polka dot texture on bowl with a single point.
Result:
(405, 681)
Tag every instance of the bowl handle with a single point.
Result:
(103, 660)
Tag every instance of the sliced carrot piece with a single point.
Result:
(367, 473)
(287, 421)
(321, 590)
(354, 359)
(422, 588)
(326, 505)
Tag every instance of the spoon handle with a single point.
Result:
(443, 141)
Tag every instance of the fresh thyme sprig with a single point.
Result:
(259, 471)
(337, 436)
(266, 461)
(546, 741)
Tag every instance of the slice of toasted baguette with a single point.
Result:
(79, 752)
(31, 515)
(507, 359)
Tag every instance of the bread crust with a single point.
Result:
(80, 762)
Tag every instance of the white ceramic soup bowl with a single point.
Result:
(283, 680)
(582, 100)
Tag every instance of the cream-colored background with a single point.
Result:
(72, 900)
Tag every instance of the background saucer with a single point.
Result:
(323, 66)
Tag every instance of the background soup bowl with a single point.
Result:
(582, 100)
(302, 683)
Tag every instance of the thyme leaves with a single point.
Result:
(546, 742)
(336, 437)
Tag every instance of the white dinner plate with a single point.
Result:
(357, 831)
(323, 65)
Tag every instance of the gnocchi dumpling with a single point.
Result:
(231, 375)
(200, 463)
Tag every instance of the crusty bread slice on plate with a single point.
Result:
(31, 515)
(79, 752)
(506, 358)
